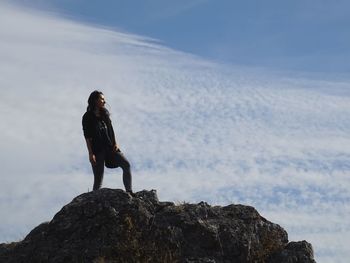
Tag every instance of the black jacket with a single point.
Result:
(100, 130)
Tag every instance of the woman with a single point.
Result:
(100, 140)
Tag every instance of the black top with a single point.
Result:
(98, 129)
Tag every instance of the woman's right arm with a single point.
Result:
(88, 134)
(92, 156)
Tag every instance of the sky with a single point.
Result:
(299, 35)
(194, 128)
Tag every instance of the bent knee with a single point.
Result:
(125, 165)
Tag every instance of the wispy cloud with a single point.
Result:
(192, 130)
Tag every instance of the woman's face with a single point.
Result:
(100, 103)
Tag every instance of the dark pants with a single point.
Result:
(98, 170)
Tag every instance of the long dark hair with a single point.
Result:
(94, 96)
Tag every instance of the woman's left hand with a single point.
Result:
(116, 148)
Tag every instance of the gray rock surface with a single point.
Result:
(112, 226)
(294, 252)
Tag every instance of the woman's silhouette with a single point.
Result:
(100, 141)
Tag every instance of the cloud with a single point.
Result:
(192, 129)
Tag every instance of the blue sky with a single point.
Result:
(298, 35)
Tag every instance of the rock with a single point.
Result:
(112, 226)
(294, 252)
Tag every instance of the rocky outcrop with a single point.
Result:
(112, 226)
